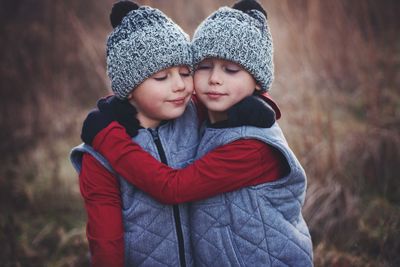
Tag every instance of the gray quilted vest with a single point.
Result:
(153, 231)
(255, 226)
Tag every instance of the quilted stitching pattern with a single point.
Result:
(154, 241)
(150, 234)
(257, 226)
(237, 218)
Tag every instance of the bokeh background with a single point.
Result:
(337, 83)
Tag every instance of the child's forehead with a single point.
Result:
(177, 67)
(216, 60)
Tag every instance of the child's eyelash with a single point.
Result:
(160, 78)
(204, 67)
(231, 70)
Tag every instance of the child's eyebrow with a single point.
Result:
(206, 61)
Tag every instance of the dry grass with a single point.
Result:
(337, 82)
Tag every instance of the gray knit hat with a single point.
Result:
(238, 36)
(145, 42)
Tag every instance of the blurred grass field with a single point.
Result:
(337, 83)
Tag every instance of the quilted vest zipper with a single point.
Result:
(177, 217)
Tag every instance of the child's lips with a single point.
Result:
(214, 95)
(177, 101)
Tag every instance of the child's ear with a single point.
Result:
(131, 99)
(258, 87)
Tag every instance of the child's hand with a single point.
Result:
(122, 112)
(93, 124)
(109, 109)
(251, 111)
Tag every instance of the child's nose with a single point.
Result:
(215, 77)
(179, 84)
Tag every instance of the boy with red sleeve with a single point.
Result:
(148, 61)
(260, 224)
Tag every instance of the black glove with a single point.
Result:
(251, 111)
(122, 112)
(110, 109)
(93, 124)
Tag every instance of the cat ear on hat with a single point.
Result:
(119, 11)
(247, 5)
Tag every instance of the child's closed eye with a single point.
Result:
(184, 74)
(204, 66)
(232, 68)
(160, 78)
(184, 71)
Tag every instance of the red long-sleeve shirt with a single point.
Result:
(104, 228)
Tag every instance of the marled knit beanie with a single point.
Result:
(239, 34)
(144, 41)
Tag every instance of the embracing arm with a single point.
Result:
(230, 167)
(104, 230)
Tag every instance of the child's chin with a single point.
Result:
(175, 114)
(215, 108)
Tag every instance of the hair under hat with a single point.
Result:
(240, 34)
(144, 41)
